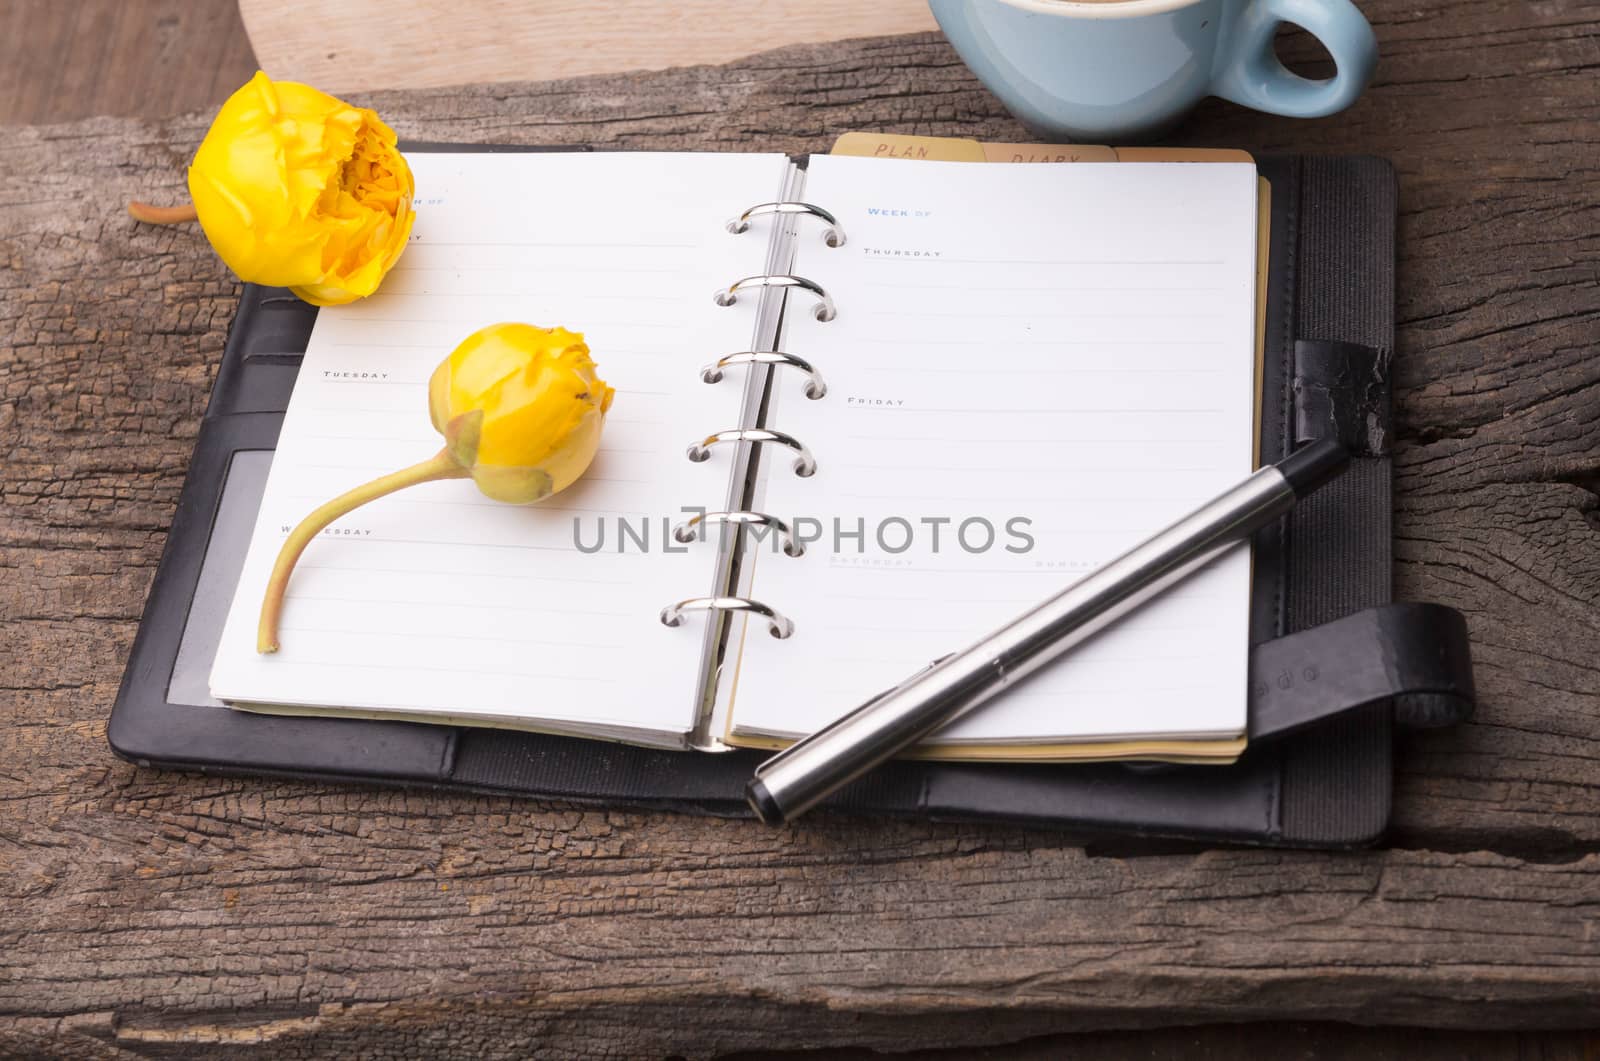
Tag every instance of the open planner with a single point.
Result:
(866, 411)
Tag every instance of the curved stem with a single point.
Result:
(162, 215)
(440, 466)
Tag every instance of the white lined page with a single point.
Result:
(439, 601)
(1069, 345)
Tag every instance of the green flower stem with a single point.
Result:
(440, 466)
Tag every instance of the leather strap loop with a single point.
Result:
(1416, 655)
(1341, 392)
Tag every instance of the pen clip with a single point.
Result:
(907, 680)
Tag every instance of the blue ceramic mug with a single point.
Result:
(1106, 70)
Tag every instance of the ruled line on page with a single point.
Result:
(477, 605)
(1017, 440)
(542, 675)
(967, 469)
(629, 245)
(563, 270)
(626, 296)
(1015, 369)
(451, 572)
(1053, 289)
(919, 314)
(1057, 411)
(652, 325)
(990, 600)
(897, 341)
(475, 638)
(1037, 262)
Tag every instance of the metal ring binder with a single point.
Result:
(672, 614)
(792, 546)
(805, 464)
(833, 236)
(824, 310)
(815, 388)
(731, 578)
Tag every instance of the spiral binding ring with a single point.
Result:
(824, 310)
(792, 546)
(805, 464)
(672, 614)
(815, 388)
(833, 237)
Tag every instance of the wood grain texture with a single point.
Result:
(365, 45)
(145, 913)
(66, 59)
(1230, 1042)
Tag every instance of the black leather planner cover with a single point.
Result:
(1332, 667)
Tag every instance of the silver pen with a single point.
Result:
(796, 779)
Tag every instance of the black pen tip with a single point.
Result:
(1312, 465)
(762, 803)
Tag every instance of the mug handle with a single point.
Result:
(1250, 72)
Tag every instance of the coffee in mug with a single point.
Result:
(1106, 70)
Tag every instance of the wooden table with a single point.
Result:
(145, 911)
(364, 45)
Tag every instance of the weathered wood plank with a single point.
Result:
(226, 885)
(140, 909)
(325, 916)
(152, 58)
(363, 45)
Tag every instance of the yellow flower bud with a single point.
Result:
(520, 409)
(297, 189)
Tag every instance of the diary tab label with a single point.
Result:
(1048, 153)
(896, 145)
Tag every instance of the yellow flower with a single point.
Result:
(297, 189)
(520, 409)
